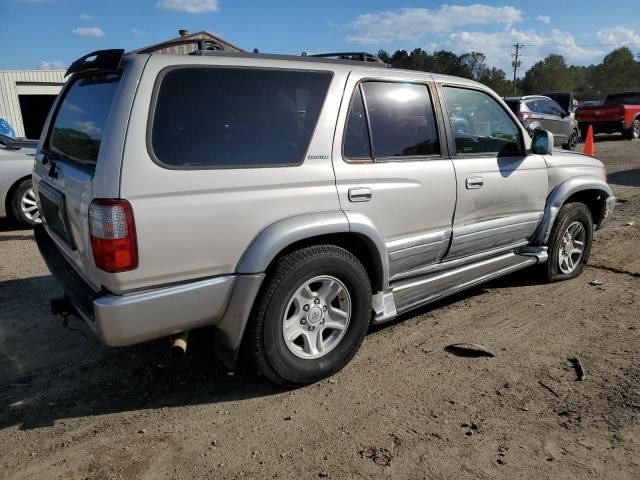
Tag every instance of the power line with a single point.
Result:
(516, 64)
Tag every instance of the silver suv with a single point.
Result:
(291, 202)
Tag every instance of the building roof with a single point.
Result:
(183, 49)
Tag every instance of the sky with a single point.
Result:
(52, 33)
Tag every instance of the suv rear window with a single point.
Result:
(78, 125)
(212, 117)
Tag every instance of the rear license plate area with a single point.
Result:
(54, 211)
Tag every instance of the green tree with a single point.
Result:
(619, 71)
(548, 75)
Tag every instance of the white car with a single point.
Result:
(17, 199)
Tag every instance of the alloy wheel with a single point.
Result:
(29, 206)
(571, 247)
(317, 317)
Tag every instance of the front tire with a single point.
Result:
(311, 316)
(570, 242)
(24, 208)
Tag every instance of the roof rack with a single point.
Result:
(353, 56)
(202, 43)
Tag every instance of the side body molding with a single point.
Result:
(279, 235)
(559, 196)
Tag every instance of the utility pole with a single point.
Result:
(516, 64)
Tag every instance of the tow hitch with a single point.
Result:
(63, 307)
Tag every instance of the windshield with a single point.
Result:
(78, 126)
(623, 99)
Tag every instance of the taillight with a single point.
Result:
(522, 116)
(113, 235)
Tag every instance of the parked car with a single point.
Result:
(566, 100)
(537, 112)
(17, 198)
(620, 112)
(291, 202)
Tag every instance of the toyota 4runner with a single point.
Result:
(290, 202)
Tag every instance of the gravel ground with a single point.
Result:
(404, 408)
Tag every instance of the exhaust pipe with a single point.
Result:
(179, 344)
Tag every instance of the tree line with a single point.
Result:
(619, 71)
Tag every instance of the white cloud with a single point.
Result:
(189, 6)
(544, 18)
(136, 32)
(51, 65)
(498, 46)
(619, 36)
(413, 23)
(86, 17)
(89, 127)
(88, 32)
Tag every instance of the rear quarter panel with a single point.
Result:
(198, 223)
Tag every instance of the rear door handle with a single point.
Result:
(362, 194)
(474, 182)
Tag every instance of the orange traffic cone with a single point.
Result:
(588, 142)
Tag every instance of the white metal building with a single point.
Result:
(26, 97)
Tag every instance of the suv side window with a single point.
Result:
(357, 146)
(401, 119)
(218, 117)
(480, 125)
(555, 108)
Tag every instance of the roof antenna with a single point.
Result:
(255, 50)
(304, 54)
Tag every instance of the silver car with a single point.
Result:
(17, 198)
(291, 202)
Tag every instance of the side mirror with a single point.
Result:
(564, 114)
(542, 143)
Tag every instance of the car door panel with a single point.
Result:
(412, 198)
(501, 196)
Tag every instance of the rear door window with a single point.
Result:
(79, 122)
(211, 117)
(401, 120)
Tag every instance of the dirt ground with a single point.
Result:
(404, 408)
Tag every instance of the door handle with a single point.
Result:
(474, 182)
(362, 194)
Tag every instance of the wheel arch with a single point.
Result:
(593, 192)
(349, 230)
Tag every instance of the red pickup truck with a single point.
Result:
(620, 112)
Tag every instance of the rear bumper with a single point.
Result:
(224, 302)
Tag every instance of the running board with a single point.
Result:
(415, 292)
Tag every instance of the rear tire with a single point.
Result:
(24, 209)
(569, 243)
(573, 140)
(310, 289)
(634, 132)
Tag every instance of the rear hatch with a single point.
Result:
(80, 153)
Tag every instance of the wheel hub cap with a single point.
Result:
(29, 206)
(571, 248)
(317, 317)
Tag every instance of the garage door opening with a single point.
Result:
(35, 109)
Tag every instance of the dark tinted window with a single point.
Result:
(236, 117)
(401, 119)
(514, 105)
(623, 99)
(479, 123)
(356, 139)
(77, 129)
